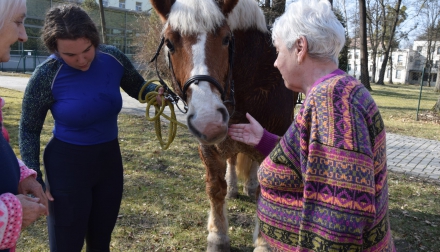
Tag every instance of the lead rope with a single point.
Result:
(150, 99)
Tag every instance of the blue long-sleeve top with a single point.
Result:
(85, 104)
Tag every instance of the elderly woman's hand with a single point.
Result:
(250, 133)
(31, 208)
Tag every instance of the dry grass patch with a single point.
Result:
(398, 106)
(165, 208)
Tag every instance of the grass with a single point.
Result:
(398, 106)
(165, 208)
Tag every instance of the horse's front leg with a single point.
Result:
(216, 188)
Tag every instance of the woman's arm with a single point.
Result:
(10, 220)
(37, 101)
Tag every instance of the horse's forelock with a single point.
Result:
(193, 16)
(247, 14)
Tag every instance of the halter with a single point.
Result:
(174, 98)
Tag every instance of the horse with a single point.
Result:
(221, 57)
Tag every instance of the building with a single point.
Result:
(121, 28)
(407, 64)
(136, 5)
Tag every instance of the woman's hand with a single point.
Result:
(159, 96)
(30, 185)
(31, 209)
(250, 133)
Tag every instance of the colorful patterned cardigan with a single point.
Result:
(324, 185)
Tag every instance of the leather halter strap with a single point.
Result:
(174, 98)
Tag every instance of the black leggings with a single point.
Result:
(86, 183)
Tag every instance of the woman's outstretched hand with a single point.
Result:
(248, 133)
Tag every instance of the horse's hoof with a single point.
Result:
(218, 243)
(218, 247)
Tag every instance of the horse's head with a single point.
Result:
(199, 43)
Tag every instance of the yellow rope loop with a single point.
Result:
(150, 99)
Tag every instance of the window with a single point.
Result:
(419, 49)
(400, 58)
(438, 50)
(411, 58)
(436, 64)
(122, 4)
(415, 76)
(349, 56)
(349, 67)
(398, 74)
(356, 56)
(105, 3)
(138, 6)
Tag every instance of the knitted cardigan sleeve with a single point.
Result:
(10, 220)
(37, 101)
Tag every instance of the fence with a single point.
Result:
(121, 27)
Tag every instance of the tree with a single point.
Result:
(388, 44)
(90, 6)
(374, 14)
(103, 27)
(343, 55)
(147, 40)
(365, 77)
(271, 12)
(429, 17)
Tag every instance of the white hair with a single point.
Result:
(8, 8)
(193, 16)
(314, 20)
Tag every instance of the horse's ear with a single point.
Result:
(227, 6)
(163, 8)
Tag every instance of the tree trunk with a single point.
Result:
(391, 68)
(388, 46)
(101, 12)
(437, 83)
(365, 77)
(278, 6)
(437, 106)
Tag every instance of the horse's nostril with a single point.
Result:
(225, 114)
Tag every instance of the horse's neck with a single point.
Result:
(254, 52)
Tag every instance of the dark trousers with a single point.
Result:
(86, 183)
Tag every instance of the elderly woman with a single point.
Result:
(324, 183)
(16, 210)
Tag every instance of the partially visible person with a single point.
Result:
(324, 183)
(80, 84)
(17, 210)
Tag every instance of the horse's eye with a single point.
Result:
(169, 45)
(226, 40)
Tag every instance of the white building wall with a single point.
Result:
(398, 72)
(407, 66)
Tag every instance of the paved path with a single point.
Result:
(414, 156)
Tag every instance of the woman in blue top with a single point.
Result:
(80, 84)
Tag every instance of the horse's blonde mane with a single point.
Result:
(247, 14)
(193, 16)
